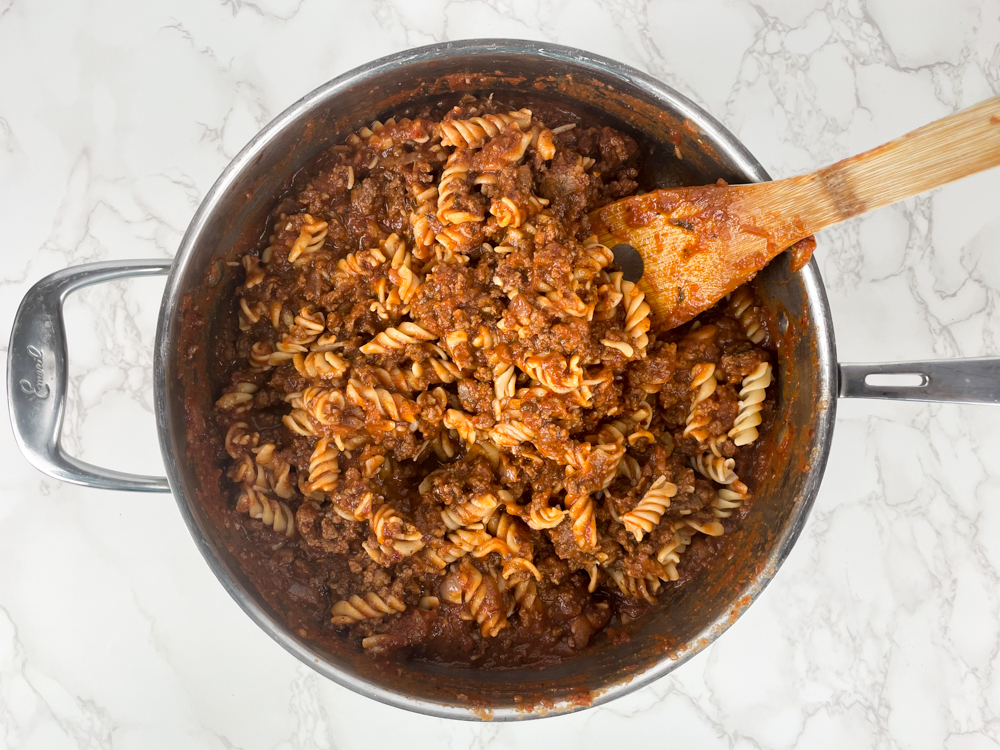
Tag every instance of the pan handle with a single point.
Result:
(37, 375)
(969, 381)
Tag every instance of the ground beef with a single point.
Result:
(447, 441)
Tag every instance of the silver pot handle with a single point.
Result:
(36, 375)
(970, 381)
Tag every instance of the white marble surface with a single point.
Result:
(881, 630)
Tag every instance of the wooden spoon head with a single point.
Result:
(697, 243)
(700, 243)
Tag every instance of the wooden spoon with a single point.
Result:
(700, 243)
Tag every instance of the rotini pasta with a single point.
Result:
(310, 239)
(482, 596)
(474, 131)
(361, 264)
(748, 418)
(512, 531)
(472, 510)
(703, 383)
(371, 605)
(669, 555)
(425, 204)
(393, 534)
(636, 315)
(716, 468)
(742, 308)
(396, 338)
(545, 518)
(239, 399)
(650, 509)
(323, 467)
(633, 586)
(454, 185)
(274, 513)
(322, 365)
(728, 499)
(458, 425)
(391, 407)
(581, 513)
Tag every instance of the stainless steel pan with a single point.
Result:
(233, 216)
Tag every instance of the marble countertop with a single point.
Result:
(881, 630)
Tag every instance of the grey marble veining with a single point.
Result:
(882, 629)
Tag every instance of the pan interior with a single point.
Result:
(198, 302)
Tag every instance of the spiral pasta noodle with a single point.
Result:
(650, 509)
(310, 238)
(636, 315)
(371, 605)
(274, 513)
(634, 586)
(717, 468)
(323, 467)
(474, 131)
(752, 394)
(425, 205)
(545, 518)
(397, 338)
(669, 555)
(481, 595)
(742, 308)
(703, 383)
(239, 399)
(471, 511)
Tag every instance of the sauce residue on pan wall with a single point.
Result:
(200, 314)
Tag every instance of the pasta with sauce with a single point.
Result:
(453, 425)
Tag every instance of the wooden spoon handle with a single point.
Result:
(948, 149)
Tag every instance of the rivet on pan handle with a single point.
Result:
(970, 381)
(37, 374)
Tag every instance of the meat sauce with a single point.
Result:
(452, 429)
